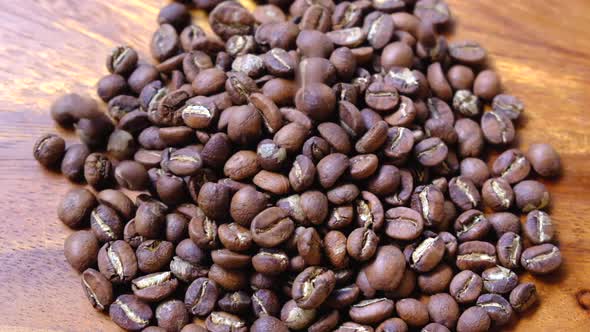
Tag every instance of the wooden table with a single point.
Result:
(50, 47)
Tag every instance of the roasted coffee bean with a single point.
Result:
(429, 201)
(435, 327)
(464, 193)
(431, 151)
(229, 18)
(49, 150)
(150, 219)
(371, 311)
(497, 308)
(69, 108)
(438, 82)
(437, 280)
(392, 325)
(201, 296)
(331, 168)
(80, 249)
(499, 280)
(538, 227)
(397, 54)
(265, 302)
(471, 225)
(497, 194)
(97, 170)
(185, 270)
(363, 166)
(382, 96)
(121, 60)
(443, 309)
(475, 170)
(343, 194)
(106, 224)
(512, 166)
(541, 259)
(544, 159)
(487, 84)
(466, 287)
(75, 208)
(474, 319)
(141, 77)
(316, 148)
(412, 311)
(382, 275)
(228, 279)
(235, 303)
(531, 195)
(509, 250)
(94, 131)
(110, 86)
(270, 156)
(131, 236)
(72, 164)
(234, 237)
(312, 286)
(497, 128)
(460, 77)
(153, 255)
(154, 287)
(341, 217)
(507, 105)
(476, 256)
(130, 313)
(116, 260)
(467, 52)
(369, 211)
(469, 138)
(270, 262)
(467, 103)
(523, 296)
(271, 227)
(402, 223)
(230, 259)
(362, 243)
(98, 289)
(172, 315)
(504, 222)
(295, 317)
(427, 254)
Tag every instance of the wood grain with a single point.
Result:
(49, 47)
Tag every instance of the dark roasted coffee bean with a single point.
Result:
(431, 151)
(412, 311)
(116, 260)
(150, 219)
(110, 86)
(471, 225)
(154, 255)
(474, 319)
(371, 311)
(265, 302)
(504, 222)
(71, 107)
(362, 243)
(172, 315)
(121, 60)
(382, 96)
(270, 262)
(538, 227)
(497, 308)
(295, 317)
(130, 313)
(94, 131)
(382, 275)
(72, 164)
(466, 287)
(49, 150)
(336, 136)
(228, 279)
(185, 270)
(271, 227)
(402, 223)
(443, 309)
(429, 201)
(497, 128)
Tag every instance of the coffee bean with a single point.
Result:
(265, 303)
(541, 259)
(474, 319)
(460, 77)
(69, 108)
(464, 193)
(80, 249)
(507, 105)
(509, 250)
(336, 136)
(117, 261)
(512, 165)
(497, 308)
(544, 159)
(538, 227)
(531, 195)
(341, 217)
(497, 194)
(392, 325)
(504, 222)
(295, 317)
(331, 168)
(75, 208)
(110, 86)
(371, 311)
(438, 82)
(317, 100)
(476, 256)
(466, 287)
(382, 96)
(403, 223)
(487, 84)
(98, 289)
(49, 150)
(106, 224)
(429, 201)
(369, 211)
(131, 175)
(129, 313)
(185, 270)
(154, 287)
(362, 244)
(499, 280)
(435, 327)
(172, 315)
(431, 151)
(443, 309)
(271, 227)
(153, 255)
(386, 276)
(97, 170)
(150, 219)
(229, 18)
(469, 137)
(234, 237)
(523, 296)
(316, 148)
(396, 54)
(412, 311)
(496, 128)
(471, 225)
(467, 52)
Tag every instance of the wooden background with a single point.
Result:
(50, 47)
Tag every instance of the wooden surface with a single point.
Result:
(49, 47)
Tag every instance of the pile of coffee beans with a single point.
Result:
(313, 165)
